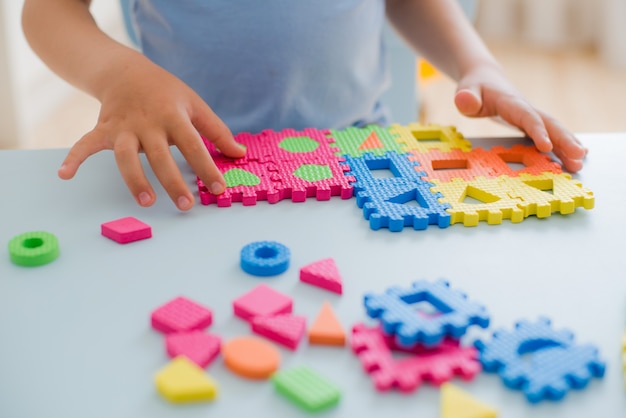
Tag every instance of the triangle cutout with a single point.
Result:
(372, 142)
(283, 329)
(456, 403)
(326, 329)
(323, 274)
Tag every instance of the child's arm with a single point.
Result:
(144, 108)
(440, 31)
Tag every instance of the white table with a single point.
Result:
(75, 339)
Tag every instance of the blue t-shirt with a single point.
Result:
(273, 64)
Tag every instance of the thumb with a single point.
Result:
(468, 100)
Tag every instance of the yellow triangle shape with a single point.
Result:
(456, 403)
(183, 381)
(326, 329)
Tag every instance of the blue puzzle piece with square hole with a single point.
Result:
(540, 361)
(399, 201)
(398, 316)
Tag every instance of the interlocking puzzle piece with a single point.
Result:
(322, 180)
(447, 165)
(540, 361)
(492, 201)
(323, 274)
(262, 301)
(547, 193)
(398, 317)
(181, 315)
(423, 138)
(182, 381)
(404, 200)
(280, 165)
(437, 364)
(306, 388)
(246, 182)
(283, 329)
(265, 258)
(125, 230)
(532, 160)
(372, 139)
(456, 403)
(198, 346)
(326, 328)
(32, 249)
(251, 357)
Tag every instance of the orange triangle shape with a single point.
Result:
(326, 329)
(372, 142)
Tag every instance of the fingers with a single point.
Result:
(469, 101)
(91, 143)
(519, 113)
(213, 129)
(566, 146)
(196, 154)
(158, 153)
(126, 152)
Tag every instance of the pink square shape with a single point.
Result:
(262, 301)
(125, 230)
(180, 315)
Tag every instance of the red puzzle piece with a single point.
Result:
(437, 365)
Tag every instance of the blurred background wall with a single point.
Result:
(567, 56)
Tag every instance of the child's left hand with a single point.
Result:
(485, 91)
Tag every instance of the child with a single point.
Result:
(248, 65)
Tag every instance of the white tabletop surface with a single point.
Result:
(75, 339)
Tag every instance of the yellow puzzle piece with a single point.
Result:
(424, 138)
(547, 193)
(456, 403)
(492, 201)
(183, 381)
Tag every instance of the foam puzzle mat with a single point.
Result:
(402, 176)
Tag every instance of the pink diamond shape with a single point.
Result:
(126, 230)
(262, 301)
(179, 315)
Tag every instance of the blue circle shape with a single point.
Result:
(265, 258)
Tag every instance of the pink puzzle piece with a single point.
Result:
(181, 315)
(437, 365)
(198, 346)
(284, 329)
(126, 230)
(262, 301)
(324, 274)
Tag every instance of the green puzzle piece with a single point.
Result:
(238, 177)
(306, 388)
(313, 172)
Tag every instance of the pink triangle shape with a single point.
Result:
(323, 274)
(283, 329)
(372, 142)
(198, 346)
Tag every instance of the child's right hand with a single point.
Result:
(145, 108)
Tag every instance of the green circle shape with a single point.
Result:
(32, 249)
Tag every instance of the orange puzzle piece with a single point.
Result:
(326, 329)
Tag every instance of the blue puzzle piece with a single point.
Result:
(398, 316)
(540, 361)
(403, 200)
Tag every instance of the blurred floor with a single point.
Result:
(572, 85)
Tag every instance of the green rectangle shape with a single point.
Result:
(306, 388)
